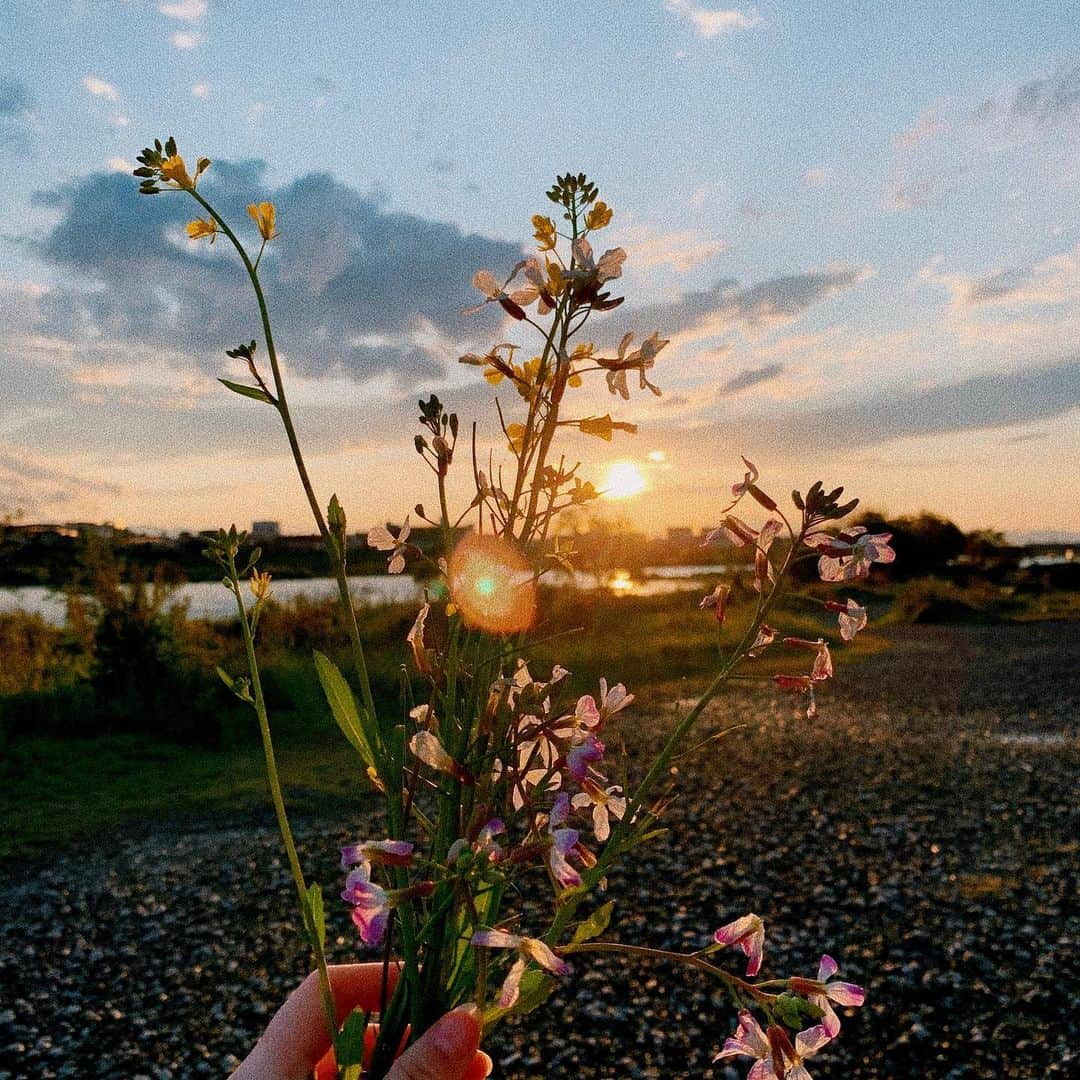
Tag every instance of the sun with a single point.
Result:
(623, 481)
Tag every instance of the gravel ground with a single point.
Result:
(924, 830)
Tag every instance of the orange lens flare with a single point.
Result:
(492, 585)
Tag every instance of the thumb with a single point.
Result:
(446, 1051)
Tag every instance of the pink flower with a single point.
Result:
(536, 765)
(383, 852)
(734, 533)
(485, 282)
(585, 751)
(763, 570)
(563, 842)
(612, 701)
(749, 479)
(748, 933)
(606, 803)
(766, 635)
(851, 616)
(426, 746)
(607, 269)
(371, 904)
(799, 684)
(822, 992)
(380, 537)
(849, 555)
(717, 600)
(823, 667)
(775, 1056)
(586, 714)
(528, 949)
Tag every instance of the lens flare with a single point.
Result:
(492, 585)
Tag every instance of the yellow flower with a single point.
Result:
(201, 227)
(574, 380)
(174, 169)
(545, 234)
(598, 216)
(493, 375)
(265, 216)
(516, 434)
(260, 585)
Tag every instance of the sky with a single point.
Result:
(858, 225)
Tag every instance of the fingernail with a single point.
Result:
(457, 1034)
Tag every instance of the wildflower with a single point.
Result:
(775, 1056)
(371, 904)
(851, 616)
(430, 751)
(265, 217)
(536, 765)
(641, 360)
(766, 635)
(528, 949)
(380, 537)
(201, 227)
(849, 555)
(607, 269)
(173, 169)
(823, 668)
(381, 852)
(563, 842)
(717, 600)
(259, 584)
(545, 233)
(822, 992)
(606, 803)
(415, 639)
(799, 684)
(598, 217)
(748, 932)
(763, 571)
(733, 532)
(585, 751)
(748, 481)
(603, 427)
(585, 715)
(485, 282)
(612, 701)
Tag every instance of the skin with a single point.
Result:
(296, 1045)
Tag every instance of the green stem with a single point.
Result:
(279, 806)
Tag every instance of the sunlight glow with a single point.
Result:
(623, 481)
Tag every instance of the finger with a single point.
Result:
(447, 1051)
(297, 1037)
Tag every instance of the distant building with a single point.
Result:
(680, 534)
(265, 530)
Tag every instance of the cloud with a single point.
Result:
(681, 250)
(16, 110)
(190, 11)
(710, 22)
(101, 88)
(356, 288)
(1027, 134)
(1055, 280)
(29, 483)
(185, 40)
(816, 177)
(1048, 100)
(201, 90)
(750, 377)
(752, 308)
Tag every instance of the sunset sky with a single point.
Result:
(859, 227)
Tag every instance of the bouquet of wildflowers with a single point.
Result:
(497, 778)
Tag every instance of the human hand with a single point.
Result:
(296, 1043)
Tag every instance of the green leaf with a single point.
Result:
(226, 678)
(248, 391)
(349, 1050)
(595, 924)
(339, 696)
(318, 915)
(535, 988)
(786, 1006)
